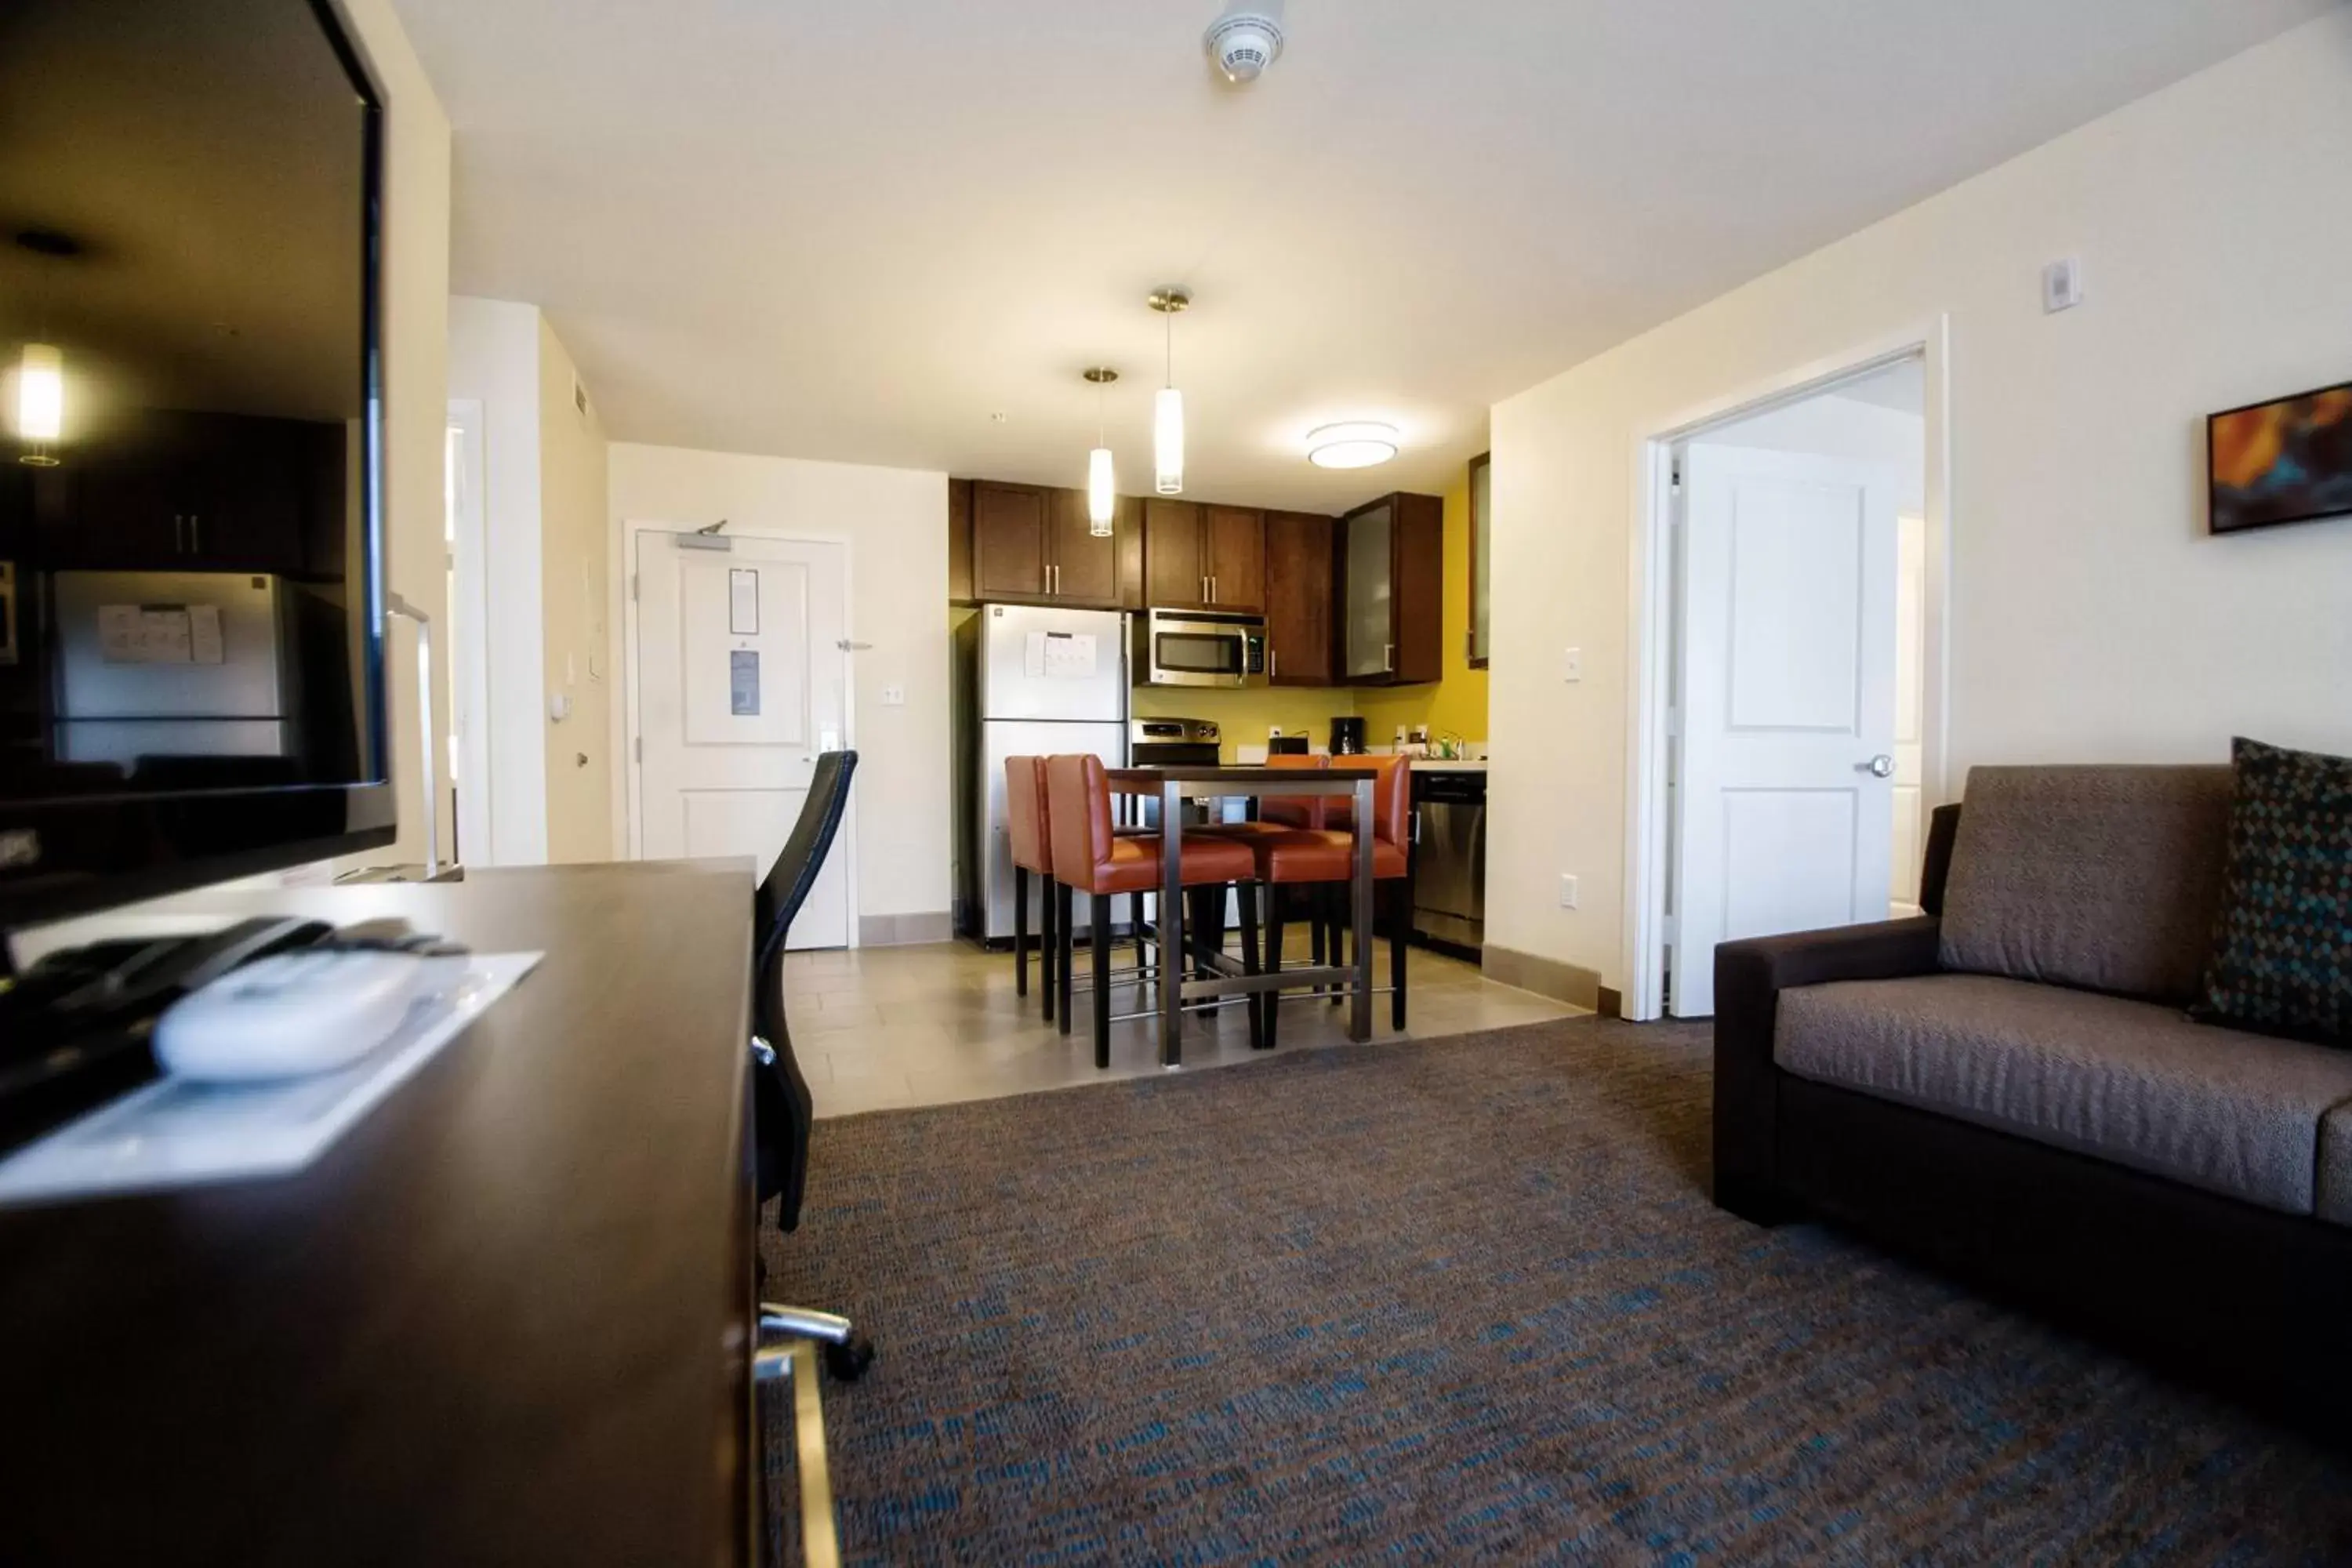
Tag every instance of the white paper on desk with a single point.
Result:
(176, 1134)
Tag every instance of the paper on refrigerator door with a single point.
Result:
(1062, 656)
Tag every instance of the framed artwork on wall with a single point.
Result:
(2288, 460)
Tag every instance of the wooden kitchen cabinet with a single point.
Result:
(1301, 586)
(1009, 540)
(1393, 590)
(1236, 560)
(1033, 544)
(1203, 557)
(1085, 568)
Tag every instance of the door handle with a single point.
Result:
(179, 533)
(1273, 664)
(1388, 658)
(1881, 766)
(1213, 589)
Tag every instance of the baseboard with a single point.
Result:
(905, 931)
(1545, 976)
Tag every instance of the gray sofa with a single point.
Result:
(2012, 1087)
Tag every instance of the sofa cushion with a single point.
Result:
(2335, 1201)
(2103, 877)
(2283, 952)
(2129, 1082)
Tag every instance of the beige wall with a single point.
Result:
(895, 522)
(2090, 614)
(575, 631)
(416, 380)
(494, 361)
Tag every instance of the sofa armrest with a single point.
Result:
(1748, 979)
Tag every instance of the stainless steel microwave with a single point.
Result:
(1200, 648)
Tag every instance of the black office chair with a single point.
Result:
(782, 1113)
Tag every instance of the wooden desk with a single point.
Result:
(507, 1319)
(1174, 786)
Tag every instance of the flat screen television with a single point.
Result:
(192, 682)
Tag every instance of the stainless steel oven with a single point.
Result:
(1200, 648)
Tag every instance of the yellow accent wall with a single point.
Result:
(1456, 705)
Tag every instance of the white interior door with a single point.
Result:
(1785, 804)
(740, 684)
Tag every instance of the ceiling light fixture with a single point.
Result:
(1102, 482)
(41, 370)
(1353, 443)
(1168, 407)
(40, 401)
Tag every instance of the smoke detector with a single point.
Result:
(1245, 40)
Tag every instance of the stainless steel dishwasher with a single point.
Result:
(1449, 878)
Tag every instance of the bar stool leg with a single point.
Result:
(1400, 927)
(1335, 901)
(1135, 928)
(1277, 913)
(1102, 980)
(1248, 895)
(1063, 915)
(1046, 966)
(1021, 931)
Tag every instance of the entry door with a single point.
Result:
(1785, 792)
(739, 686)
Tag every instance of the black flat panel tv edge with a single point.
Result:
(62, 857)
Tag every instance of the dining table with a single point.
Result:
(1226, 977)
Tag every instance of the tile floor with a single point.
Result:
(883, 1028)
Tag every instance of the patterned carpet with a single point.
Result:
(1458, 1303)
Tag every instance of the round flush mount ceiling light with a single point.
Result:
(1355, 443)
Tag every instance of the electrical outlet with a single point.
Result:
(894, 697)
(1567, 892)
(1571, 664)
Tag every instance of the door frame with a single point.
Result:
(1654, 622)
(468, 638)
(633, 732)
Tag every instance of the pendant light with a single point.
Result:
(41, 368)
(1102, 483)
(1168, 407)
(40, 401)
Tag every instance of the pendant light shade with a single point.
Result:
(1167, 408)
(1102, 482)
(1102, 493)
(41, 393)
(1168, 441)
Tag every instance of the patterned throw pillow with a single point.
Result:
(2283, 951)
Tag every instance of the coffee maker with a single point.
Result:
(1347, 737)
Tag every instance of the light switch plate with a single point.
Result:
(894, 697)
(1571, 664)
(2062, 285)
(1567, 892)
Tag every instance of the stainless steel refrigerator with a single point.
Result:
(158, 666)
(1031, 681)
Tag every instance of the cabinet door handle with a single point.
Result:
(1049, 580)
(1388, 658)
(196, 533)
(1273, 664)
(1212, 590)
(179, 533)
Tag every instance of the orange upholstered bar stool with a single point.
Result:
(1033, 852)
(1090, 858)
(1304, 857)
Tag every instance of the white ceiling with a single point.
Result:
(856, 229)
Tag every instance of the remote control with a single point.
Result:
(288, 1016)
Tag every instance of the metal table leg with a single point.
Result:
(1359, 1006)
(1174, 958)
